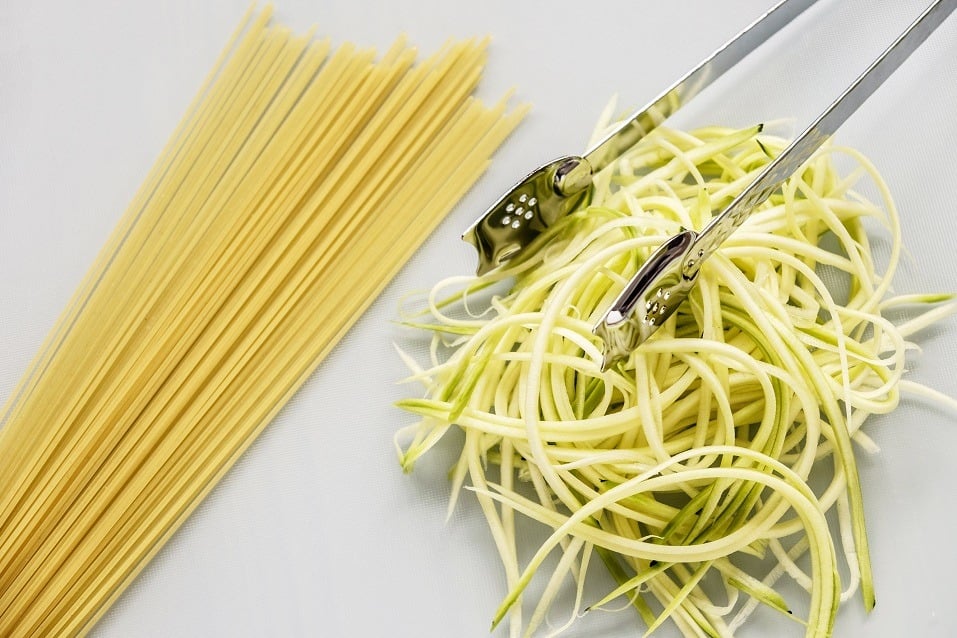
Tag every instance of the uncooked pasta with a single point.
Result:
(300, 180)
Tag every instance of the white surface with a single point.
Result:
(316, 532)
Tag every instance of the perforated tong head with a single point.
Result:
(552, 191)
(664, 281)
(523, 213)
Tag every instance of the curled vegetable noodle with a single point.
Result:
(695, 453)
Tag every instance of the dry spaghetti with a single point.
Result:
(297, 184)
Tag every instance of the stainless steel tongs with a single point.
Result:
(664, 281)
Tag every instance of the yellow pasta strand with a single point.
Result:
(298, 183)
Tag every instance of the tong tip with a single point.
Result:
(652, 295)
(512, 223)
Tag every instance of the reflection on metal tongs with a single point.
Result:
(664, 281)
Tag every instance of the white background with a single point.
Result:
(316, 532)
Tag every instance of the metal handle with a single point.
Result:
(552, 191)
(801, 149)
(644, 120)
(664, 281)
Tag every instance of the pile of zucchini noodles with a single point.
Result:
(676, 466)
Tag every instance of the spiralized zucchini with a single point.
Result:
(676, 466)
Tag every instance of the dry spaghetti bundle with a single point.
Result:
(297, 184)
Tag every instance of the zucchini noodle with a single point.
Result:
(679, 464)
